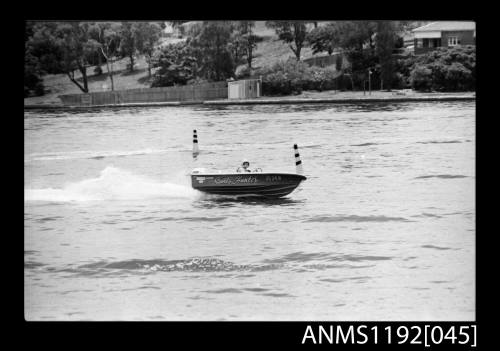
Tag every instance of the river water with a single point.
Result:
(382, 229)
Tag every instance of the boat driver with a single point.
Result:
(244, 167)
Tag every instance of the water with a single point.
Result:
(382, 229)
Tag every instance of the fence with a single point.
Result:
(195, 92)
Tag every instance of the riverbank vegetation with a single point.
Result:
(95, 56)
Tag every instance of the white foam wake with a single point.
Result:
(90, 154)
(112, 184)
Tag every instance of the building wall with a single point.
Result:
(244, 89)
(465, 37)
(198, 92)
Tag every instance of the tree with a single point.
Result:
(107, 38)
(368, 45)
(324, 38)
(64, 47)
(128, 46)
(176, 65)
(291, 32)
(385, 43)
(146, 36)
(210, 42)
(246, 40)
(32, 75)
(42, 44)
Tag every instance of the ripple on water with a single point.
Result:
(442, 176)
(306, 257)
(192, 219)
(224, 291)
(355, 218)
(437, 247)
(440, 142)
(33, 264)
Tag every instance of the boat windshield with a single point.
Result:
(248, 170)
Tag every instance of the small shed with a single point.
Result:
(244, 89)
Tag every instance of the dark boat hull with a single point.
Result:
(247, 184)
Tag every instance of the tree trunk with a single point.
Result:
(217, 55)
(131, 62)
(99, 63)
(71, 76)
(83, 70)
(296, 51)
(149, 66)
(249, 57)
(110, 70)
(110, 74)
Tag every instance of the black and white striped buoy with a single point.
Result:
(298, 161)
(196, 151)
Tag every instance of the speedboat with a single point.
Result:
(256, 183)
(246, 184)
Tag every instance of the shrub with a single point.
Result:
(292, 77)
(244, 72)
(421, 78)
(452, 69)
(399, 81)
(458, 77)
(97, 70)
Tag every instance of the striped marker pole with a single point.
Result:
(196, 151)
(298, 161)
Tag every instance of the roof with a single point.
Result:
(447, 26)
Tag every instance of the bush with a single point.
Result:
(400, 81)
(244, 72)
(292, 77)
(421, 78)
(97, 70)
(458, 77)
(452, 69)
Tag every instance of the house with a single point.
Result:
(443, 34)
(408, 41)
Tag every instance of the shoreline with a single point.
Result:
(343, 99)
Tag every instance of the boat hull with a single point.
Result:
(247, 184)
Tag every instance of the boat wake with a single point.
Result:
(112, 184)
(96, 155)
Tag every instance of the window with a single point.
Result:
(453, 41)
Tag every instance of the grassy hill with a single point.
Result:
(269, 51)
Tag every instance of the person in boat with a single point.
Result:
(244, 167)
